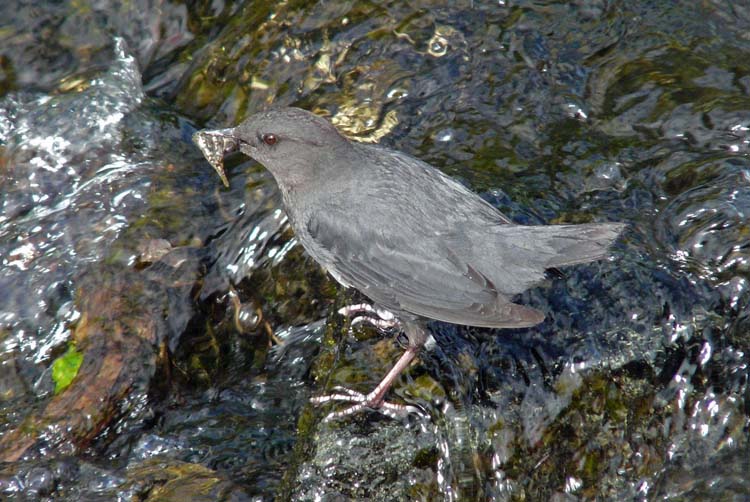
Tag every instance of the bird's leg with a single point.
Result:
(375, 400)
(380, 318)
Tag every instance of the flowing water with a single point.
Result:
(201, 328)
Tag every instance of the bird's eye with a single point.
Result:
(269, 139)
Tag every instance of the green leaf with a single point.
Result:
(65, 368)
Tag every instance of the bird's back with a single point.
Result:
(416, 240)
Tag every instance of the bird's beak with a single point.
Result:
(215, 145)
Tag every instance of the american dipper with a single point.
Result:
(414, 241)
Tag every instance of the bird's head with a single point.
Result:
(293, 144)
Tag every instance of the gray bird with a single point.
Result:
(414, 241)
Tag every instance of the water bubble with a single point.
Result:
(437, 46)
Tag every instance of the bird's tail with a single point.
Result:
(562, 245)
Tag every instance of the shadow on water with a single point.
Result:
(160, 336)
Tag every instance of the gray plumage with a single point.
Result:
(410, 238)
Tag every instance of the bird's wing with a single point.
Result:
(414, 273)
(443, 199)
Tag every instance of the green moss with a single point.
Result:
(65, 368)
(585, 440)
(426, 458)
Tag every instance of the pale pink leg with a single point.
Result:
(375, 400)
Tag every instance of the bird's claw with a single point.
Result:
(380, 318)
(375, 401)
(364, 402)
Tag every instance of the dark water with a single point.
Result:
(204, 328)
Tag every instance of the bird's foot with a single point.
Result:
(380, 318)
(375, 400)
(362, 402)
